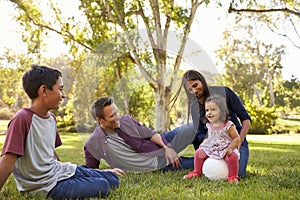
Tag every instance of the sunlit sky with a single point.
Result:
(206, 32)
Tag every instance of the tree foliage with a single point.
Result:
(262, 117)
(253, 70)
(289, 96)
(125, 35)
(280, 16)
(252, 67)
(12, 68)
(134, 31)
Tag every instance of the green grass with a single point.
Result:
(273, 173)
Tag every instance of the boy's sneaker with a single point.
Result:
(192, 174)
(233, 179)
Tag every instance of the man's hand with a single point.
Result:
(116, 171)
(172, 157)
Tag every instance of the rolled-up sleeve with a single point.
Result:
(91, 161)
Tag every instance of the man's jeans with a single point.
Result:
(179, 138)
(85, 183)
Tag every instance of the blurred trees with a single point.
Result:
(252, 67)
(12, 67)
(134, 32)
(280, 16)
(120, 48)
(289, 96)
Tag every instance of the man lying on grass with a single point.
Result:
(124, 143)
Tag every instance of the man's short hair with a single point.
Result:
(98, 106)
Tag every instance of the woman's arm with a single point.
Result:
(245, 129)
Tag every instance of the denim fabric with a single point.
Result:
(85, 183)
(244, 156)
(186, 163)
(179, 138)
(237, 114)
(170, 134)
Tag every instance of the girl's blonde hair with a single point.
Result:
(221, 103)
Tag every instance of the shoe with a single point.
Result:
(192, 174)
(233, 179)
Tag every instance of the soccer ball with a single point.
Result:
(215, 169)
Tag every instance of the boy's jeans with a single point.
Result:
(85, 183)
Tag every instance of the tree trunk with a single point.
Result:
(122, 84)
(272, 98)
(257, 92)
(162, 99)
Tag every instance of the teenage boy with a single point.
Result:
(31, 139)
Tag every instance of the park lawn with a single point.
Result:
(293, 125)
(273, 173)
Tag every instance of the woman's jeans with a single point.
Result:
(86, 182)
(244, 156)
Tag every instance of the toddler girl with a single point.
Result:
(222, 140)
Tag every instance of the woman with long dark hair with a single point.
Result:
(198, 91)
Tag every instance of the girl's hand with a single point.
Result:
(228, 151)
